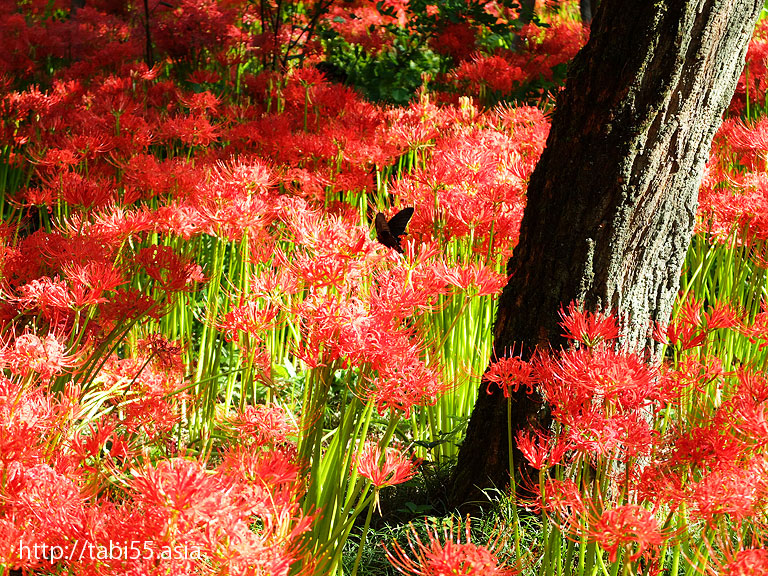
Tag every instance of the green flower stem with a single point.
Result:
(364, 535)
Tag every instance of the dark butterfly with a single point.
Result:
(388, 233)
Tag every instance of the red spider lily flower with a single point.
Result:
(172, 271)
(30, 353)
(192, 130)
(691, 374)
(448, 554)
(723, 315)
(27, 419)
(540, 449)
(405, 381)
(90, 281)
(749, 562)
(679, 334)
(87, 192)
(489, 72)
(702, 446)
(580, 377)
(758, 331)
(454, 40)
(127, 305)
(249, 317)
(562, 501)
(46, 505)
(268, 482)
(626, 527)
(167, 355)
(396, 467)
(483, 278)
(50, 295)
(180, 487)
(661, 484)
(264, 425)
(509, 374)
(586, 327)
(739, 493)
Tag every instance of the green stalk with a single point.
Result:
(512, 481)
(363, 536)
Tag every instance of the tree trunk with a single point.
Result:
(612, 201)
(586, 8)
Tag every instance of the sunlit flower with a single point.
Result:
(451, 552)
(629, 527)
(395, 467)
(586, 327)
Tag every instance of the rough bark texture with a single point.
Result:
(612, 201)
(586, 8)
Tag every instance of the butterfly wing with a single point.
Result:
(399, 221)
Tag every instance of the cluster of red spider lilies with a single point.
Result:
(211, 365)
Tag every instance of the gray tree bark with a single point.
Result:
(612, 201)
(587, 9)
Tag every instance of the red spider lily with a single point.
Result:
(179, 218)
(44, 505)
(29, 353)
(406, 382)
(740, 493)
(563, 502)
(627, 527)
(79, 191)
(92, 448)
(692, 375)
(541, 449)
(703, 446)
(723, 315)
(394, 468)
(749, 138)
(743, 418)
(468, 188)
(749, 562)
(268, 482)
(509, 374)
(165, 354)
(449, 553)
(758, 330)
(173, 272)
(151, 402)
(182, 492)
(620, 436)
(483, 278)
(661, 484)
(402, 293)
(111, 225)
(90, 281)
(586, 327)
(27, 418)
(251, 318)
(264, 425)
(51, 296)
(489, 73)
(578, 376)
(455, 40)
(127, 305)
